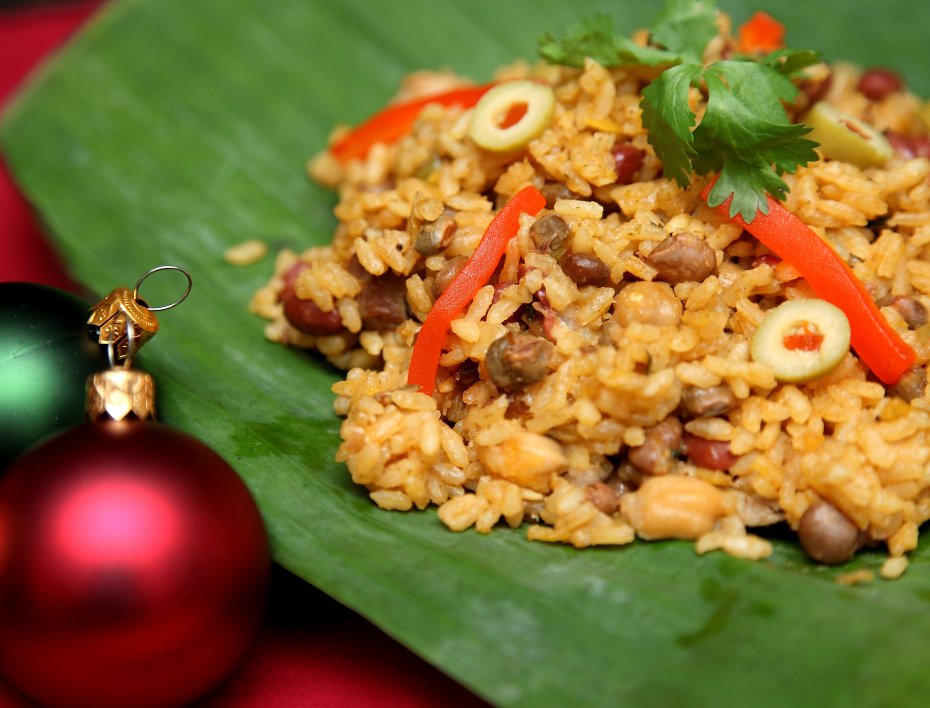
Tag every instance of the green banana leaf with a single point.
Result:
(172, 129)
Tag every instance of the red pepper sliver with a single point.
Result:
(396, 121)
(424, 361)
(761, 33)
(876, 342)
(807, 339)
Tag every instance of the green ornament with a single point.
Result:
(46, 355)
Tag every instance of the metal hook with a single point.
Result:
(131, 345)
(190, 284)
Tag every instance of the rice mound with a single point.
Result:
(565, 454)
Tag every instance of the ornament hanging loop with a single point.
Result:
(156, 269)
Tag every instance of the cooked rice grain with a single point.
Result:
(556, 454)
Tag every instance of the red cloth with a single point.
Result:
(311, 650)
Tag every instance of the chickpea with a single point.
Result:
(527, 459)
(673, 506)
(649, 303)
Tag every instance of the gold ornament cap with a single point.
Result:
(120, 393)
(121, 321)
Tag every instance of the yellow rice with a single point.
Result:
(484, 461)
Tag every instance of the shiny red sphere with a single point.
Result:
(133, 568)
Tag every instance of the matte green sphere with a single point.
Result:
(46, 355)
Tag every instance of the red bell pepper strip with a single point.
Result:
(876, 342)
(761, 33)
(478, 270)
(396, 121)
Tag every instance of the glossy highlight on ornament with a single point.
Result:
(45, 358)
(133, 567)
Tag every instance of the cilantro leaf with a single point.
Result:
(592, 37)
(685, 27)
(668, 120)
(731, 182)
(791, 62)
(597, 38)
(746, 136)
(760, 88)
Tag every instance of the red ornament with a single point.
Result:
(133, 567)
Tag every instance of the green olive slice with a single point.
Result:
(511, 114)
(845, 137)
(801, 340)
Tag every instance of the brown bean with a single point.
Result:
(683, 258)
(603, 496)
(290, 279)
(550, 234)
(827, 535)
(911, 310)
(554, 191)
(382, 303)
(911, 385)
(656, 454)
(466, 374)
(709, 454)
(920, 145)
(815, 89)
(517, 360)
(517, 407)
(628, 159)
(455, 408)
(304, 315)
(878, 82)
(434, 236)
(706, 402)
(585, 269)
(909, 146)
(541, 319)
(446, 275)
(623, 479)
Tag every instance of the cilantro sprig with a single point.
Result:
(744, 135)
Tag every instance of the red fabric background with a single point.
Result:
(311, 651)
